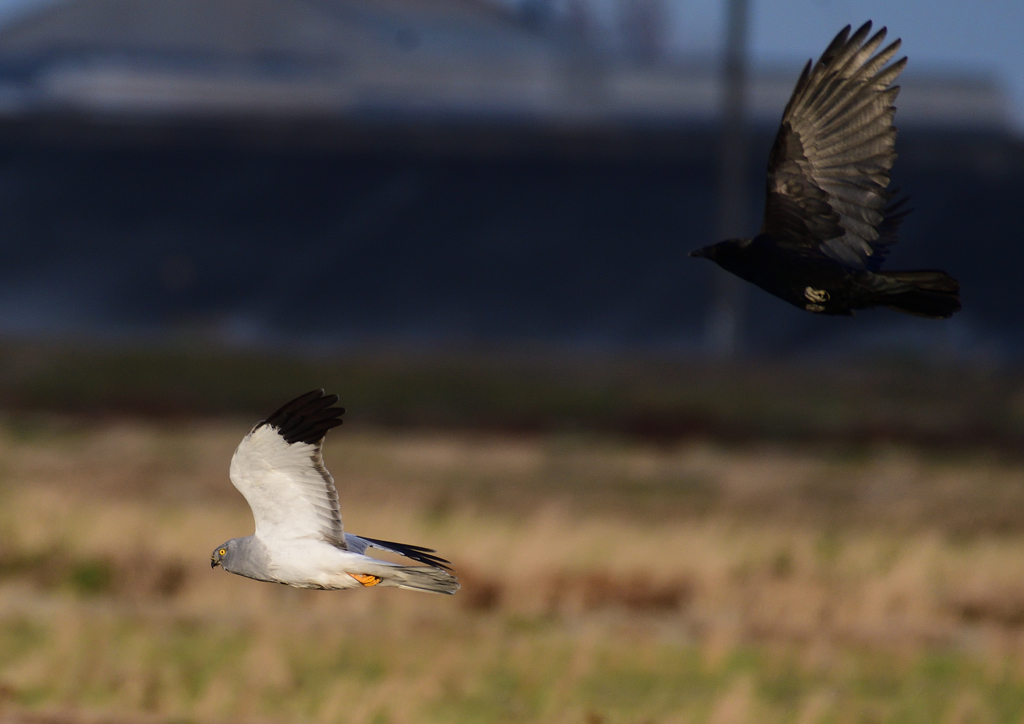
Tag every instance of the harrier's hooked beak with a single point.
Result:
(702, 253)
(217, 557)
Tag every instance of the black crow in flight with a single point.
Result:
(829, 220)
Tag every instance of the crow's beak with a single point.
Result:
(702, 253)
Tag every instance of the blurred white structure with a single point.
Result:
(384, 58)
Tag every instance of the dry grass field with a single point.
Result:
(605, 581)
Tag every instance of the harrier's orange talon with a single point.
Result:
(366, 579)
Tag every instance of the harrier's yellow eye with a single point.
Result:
(222, 551)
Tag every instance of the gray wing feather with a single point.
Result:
(830, 165)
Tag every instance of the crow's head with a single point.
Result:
(724, 251)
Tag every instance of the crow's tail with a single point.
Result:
(928, 293)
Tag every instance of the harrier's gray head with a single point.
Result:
(244, 556)
(222, 553)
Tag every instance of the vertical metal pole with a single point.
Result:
(726, 322)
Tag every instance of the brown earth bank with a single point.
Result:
(927, 402)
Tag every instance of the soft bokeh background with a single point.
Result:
(470, 220)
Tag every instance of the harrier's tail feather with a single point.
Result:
(928, 293)
(421, 578)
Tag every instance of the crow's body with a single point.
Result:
(829, 218)
(819, 284)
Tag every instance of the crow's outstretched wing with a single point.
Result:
(829, 167)
(888, 231)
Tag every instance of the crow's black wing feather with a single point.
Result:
(888, 231)
(829, 167)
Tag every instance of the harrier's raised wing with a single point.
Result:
(279, 468)
(829, 167)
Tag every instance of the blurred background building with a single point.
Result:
(350, 172)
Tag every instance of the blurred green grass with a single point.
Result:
(640, 541)
(760, 601)
(188, 671)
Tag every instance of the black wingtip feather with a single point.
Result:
(307, 418)
(416, 553)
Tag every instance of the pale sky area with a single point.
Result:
(979, 36)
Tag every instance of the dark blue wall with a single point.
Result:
(339, 244)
